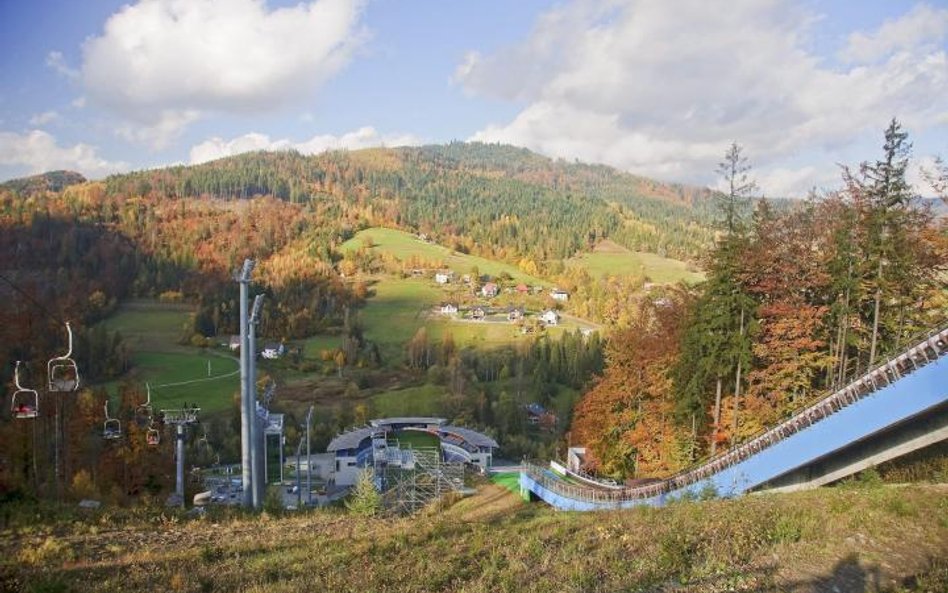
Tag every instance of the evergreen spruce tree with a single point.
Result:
(365, 499)
(716, 343)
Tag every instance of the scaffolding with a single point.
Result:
(411, 479)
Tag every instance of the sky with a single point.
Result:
(659, 88)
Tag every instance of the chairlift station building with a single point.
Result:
(378, 442)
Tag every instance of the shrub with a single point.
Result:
(365, 499)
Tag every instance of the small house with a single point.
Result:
(514, 314)
(234, 344)
(478, 313)
(444, 276)
(273, 350)
(490, 290)
(559, 295)
(449, 309)
(550, 317)
(523, 289)
(534, 412)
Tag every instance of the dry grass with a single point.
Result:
(853, 539)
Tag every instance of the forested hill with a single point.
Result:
(52, 181)
(499, 201)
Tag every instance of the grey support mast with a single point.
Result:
(247, 415)
(258, 480)
(180, 419)
(309, 460)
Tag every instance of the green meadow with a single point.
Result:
(404, 245)
(610, 258)
(176, 374)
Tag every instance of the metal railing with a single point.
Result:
(927, 348)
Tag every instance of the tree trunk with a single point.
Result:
(875, 315)
(737, 381)
(717, 417)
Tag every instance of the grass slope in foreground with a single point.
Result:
(842, 539)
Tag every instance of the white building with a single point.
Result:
(273, 350)
(449, 309)
(550, 317)
(559, 295)
(444, 276)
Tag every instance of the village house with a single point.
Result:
(559, 295)
(489, 290)
(550, 317)
(444, 276)
(234, 344)
(273, 350)
(523, 289)
(449, 309)
(478, 313)
(514, 314)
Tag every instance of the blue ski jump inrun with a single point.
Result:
(901, 388)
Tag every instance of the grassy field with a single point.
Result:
(148, 325)
(413, 401)
(176, 378)
(401, 306)
(508, 480)
(610, 258)
(404, 245)
(176, 373)
(416, 438)
(845, 540)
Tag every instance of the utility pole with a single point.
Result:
(299, 492)
(247, 415)
(258, 479)
(309, 461)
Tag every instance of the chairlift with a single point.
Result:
(144, 410)
(25, 401)
(112, 428)
(152, 437)
(63, 374)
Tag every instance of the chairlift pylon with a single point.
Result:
(111, 428)
(62, 372)
(25, 401)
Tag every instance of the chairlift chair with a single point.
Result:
(25, 401)
(62, 372)
(144, 410)
(112, 428)
(152, 436)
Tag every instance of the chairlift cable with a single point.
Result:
(32, 300)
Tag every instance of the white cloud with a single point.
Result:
(41, 119)
(168, 126)
(364, 137)
(661, 88)
(38, 151)
(57, 62)
(923, 24)
(175, 60)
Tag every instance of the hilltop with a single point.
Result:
(498, 201)
(53, 181)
